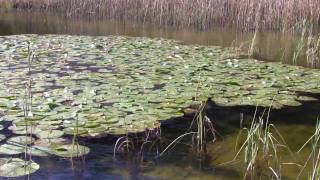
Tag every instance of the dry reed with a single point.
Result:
(202, 14)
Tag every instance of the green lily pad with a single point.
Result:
(11, 149)
(2, 137)
(82, 91)
(21, 140)
(306, 98)
(71, 150)
(49, 134)
(15, 167)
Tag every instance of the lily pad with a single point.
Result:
(21, 140)
(11, 149)
(71, 150)
(49, 134)
(136, 85)
(15, 167)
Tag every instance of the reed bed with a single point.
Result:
(200, 14)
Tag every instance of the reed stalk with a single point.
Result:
(201, 14)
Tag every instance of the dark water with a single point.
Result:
(295, 124)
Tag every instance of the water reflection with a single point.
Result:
(270, 46)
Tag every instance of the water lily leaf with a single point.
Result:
(15, 167)
(21, 140)
(49, 134)
(11, 149)
(306, 98)
(71, 150)
(135, 84)
(2, 137)
(75, 131)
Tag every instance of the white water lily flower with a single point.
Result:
(65, 90)
(46, 94)
(67, 122)
(40, 106)
(30, 114)
(93, 91)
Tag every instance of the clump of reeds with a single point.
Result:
(204, 128)
(260, 150)
(138, 144)
(307, 46)
(313, 51)
(205, 14)
(314, 157)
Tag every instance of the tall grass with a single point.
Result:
(201, 14)
(314, 157)
(307, 47)
(260, 150)
(204, 128)
(313, 51)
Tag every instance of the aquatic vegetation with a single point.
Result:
(313, 51)
(72, 150)
(260, 149)
(127, 85)
(314, 157)
(15, 167)
(84, 86)
(275, 14)
(204, 128)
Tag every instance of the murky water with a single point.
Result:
(296, 125)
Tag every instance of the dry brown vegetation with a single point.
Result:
(201, 14)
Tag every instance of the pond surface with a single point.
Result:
(296, 124)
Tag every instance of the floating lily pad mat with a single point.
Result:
(119, 85)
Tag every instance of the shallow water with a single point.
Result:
(295, 124)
